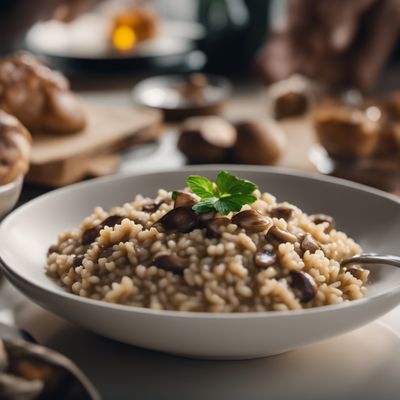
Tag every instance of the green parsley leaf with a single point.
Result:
(228, 183)
(228, 193)
(243, 198)
(233, 203)
(174, 195)
(206, 205)
(226, 205)
(201, 186)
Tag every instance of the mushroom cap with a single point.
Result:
(260, 141)
(264, 258)
(303, 285)
(181, 219)
(290, 97)
(252, 221)
(346, 132)
(206, 139)
(291, 104)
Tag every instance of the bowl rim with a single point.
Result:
(11, 185)
(55, 290)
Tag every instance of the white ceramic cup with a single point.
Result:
(9, 194)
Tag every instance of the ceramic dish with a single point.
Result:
(9, 195)
(69, 46)
(160, 92)
(369, 216)
(383, 173)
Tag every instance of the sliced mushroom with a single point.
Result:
(356, 271)
(181, 219)
(169, 262)
(205, 217)
(153, 205)
(284, 212)
(214, 226)
(112, 220)
(52, 249)
(309, 243)
(184, 199)
(303, 285)
(252, 221)
(77, 261)
(281, 235)
(90, 235)
(321, 218)
(264, 258)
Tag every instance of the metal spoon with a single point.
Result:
(372, 258)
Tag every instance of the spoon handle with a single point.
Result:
(373, 258)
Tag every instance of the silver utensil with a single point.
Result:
(372, 258)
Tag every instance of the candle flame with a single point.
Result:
(123, 38)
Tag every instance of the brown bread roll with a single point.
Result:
(15, 148)
(39, 97)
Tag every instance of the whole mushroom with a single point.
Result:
(391, 105)
(206, 139)
(346, 132)
(290, 97)
(260, 141)
(387, 139)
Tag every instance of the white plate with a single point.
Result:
(57, 39)
(370, 216)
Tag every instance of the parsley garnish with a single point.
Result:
(228, 193)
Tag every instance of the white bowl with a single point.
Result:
(9, 194)
(369, 216)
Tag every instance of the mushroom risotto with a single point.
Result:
(216, 246)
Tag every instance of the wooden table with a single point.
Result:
(247, 102)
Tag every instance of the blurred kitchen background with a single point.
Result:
(296, 79)
(216, 35)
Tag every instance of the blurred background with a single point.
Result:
(303, 84)
(226, 34)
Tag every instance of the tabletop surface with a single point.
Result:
(121, 371)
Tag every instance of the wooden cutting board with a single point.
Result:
(58, 160)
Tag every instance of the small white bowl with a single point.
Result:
(9, 195)
(371, 217)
